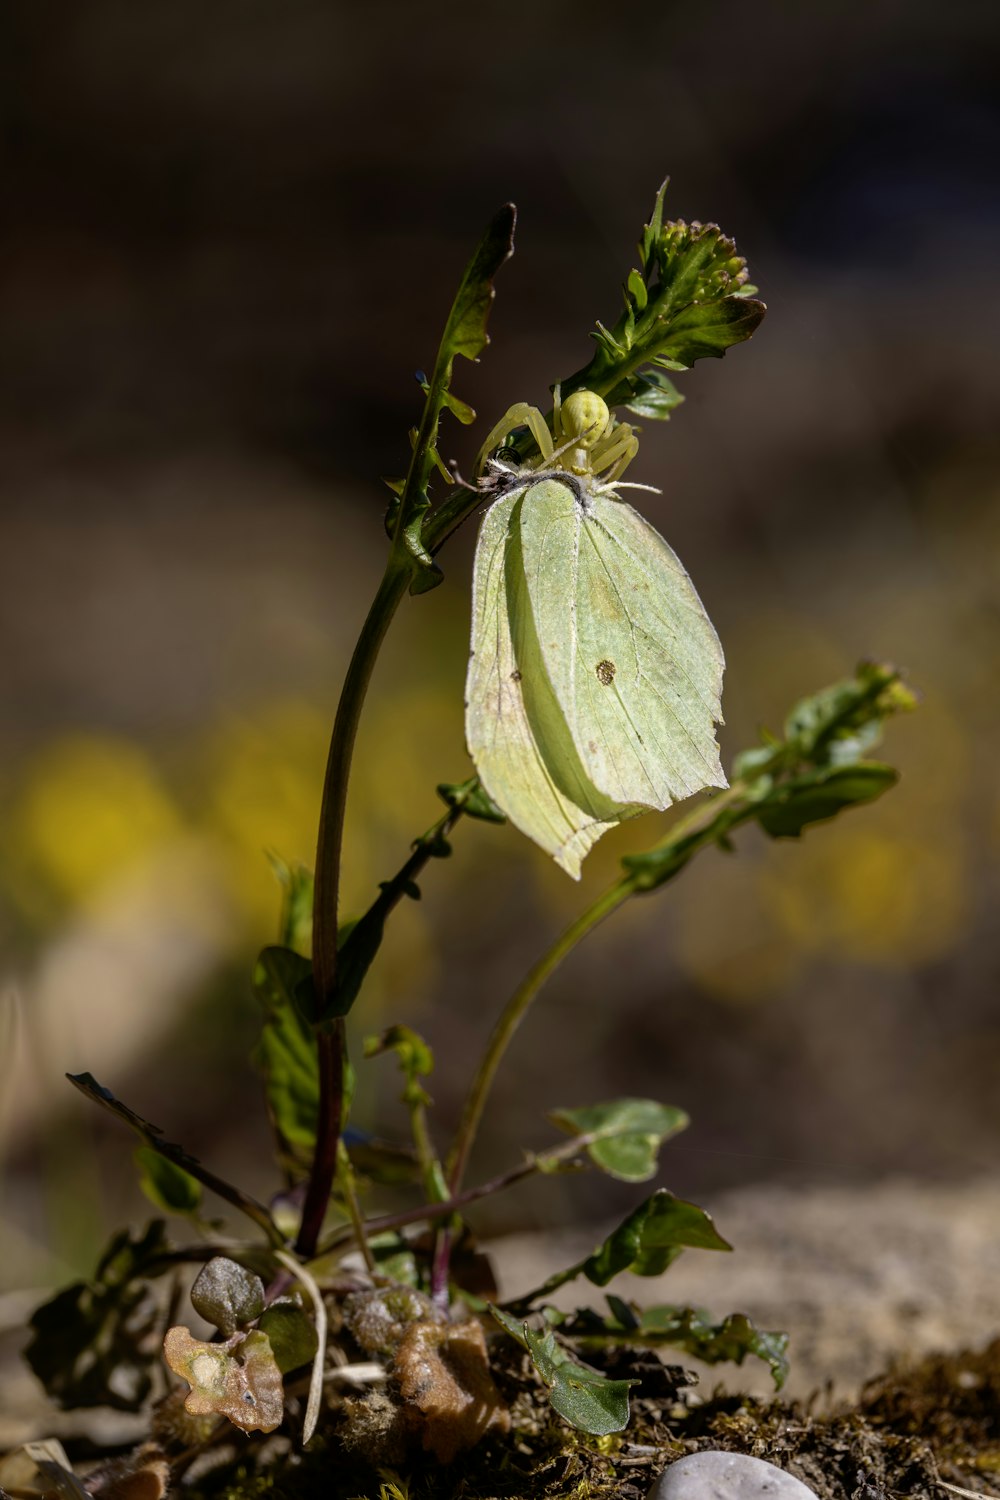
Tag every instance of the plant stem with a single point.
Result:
(700, 819)
(446, 1207)
(330, 1037)
(400, 571)
(345, 1176)
(151, 1137)
(331, 1056)
(511, 1017)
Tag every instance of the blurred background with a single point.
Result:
(230, 234)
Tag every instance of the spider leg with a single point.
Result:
(615, 451)
(557, 426)
(519, 415)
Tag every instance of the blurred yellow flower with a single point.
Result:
(87, 809)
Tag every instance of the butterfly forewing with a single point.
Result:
(632, 658)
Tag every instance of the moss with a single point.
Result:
(936, 1419)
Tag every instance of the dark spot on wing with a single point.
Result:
(515, 676)
(605, 672)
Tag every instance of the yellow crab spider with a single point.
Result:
(585, 439)
(595, 675)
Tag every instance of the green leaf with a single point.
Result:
(416, 1060)
(472, 798)
(844, 721)
(627, 1134)
(227, 1295)
(730, 1341)
(654, 396)
(395, 1257)
(291, 1334)
(297, 907)
(389, 1163)
(687, 1328)
(90, 1343)
(584, 1397)
(820, 794)
(362, 943)
(286, 1053)
(688, 302)
(465, 332)
(167, 1186)
(813, 773)
(461, 410)
(651, 1238)
(645, 1243)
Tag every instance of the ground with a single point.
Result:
(860, 1276)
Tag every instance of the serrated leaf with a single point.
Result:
(238, 1379)
(291, 1333)
(687, 1328)
(167, 1186)
(465, 332)
(227, 1295)
(707, 330)
(286, 1053)
(690, 302)
(817, 795)
(652, 1237)
(844, 721)
(729, 1342)
(584, 1397)
(627, 1134)
(90, 1344)
(297, 906)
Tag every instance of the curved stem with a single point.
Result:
(330, 1038)
(331, 1056)
(443, 1209)
(331, 825)
(513, 1014)
(700, 820)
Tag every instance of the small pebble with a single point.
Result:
(727, 1476)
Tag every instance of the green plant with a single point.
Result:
(401, 1306)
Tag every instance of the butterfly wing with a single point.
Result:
(515, 729)
(630, 653)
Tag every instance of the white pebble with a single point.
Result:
(727, 1476)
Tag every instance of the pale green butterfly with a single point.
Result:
(595, 676)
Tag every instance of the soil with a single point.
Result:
(864, 1278)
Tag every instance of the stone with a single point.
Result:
(716, 1475)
